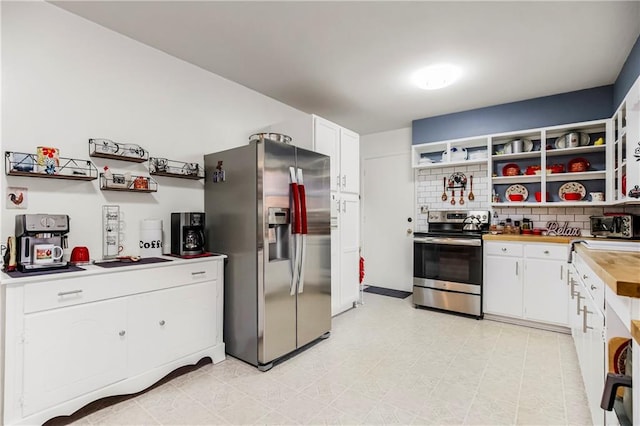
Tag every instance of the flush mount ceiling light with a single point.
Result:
(436, 76)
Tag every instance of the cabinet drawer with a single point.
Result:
(547, 251)
(593, 284)
(503, 249)
(60, 292)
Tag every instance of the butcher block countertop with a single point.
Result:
(620, 270)
(635, 330)
(528, 238)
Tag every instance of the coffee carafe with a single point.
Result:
(40, 240)
(187, 234)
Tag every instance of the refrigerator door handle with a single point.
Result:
(303, 255)
(296, 228)
(303, 237)
(295, 265)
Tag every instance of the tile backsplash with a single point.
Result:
(429, 187)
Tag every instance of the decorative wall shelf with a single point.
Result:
(175, 169)
(25, 164)
(121, 182)
(106, 148)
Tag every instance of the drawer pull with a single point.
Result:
(593, 287)
(546, 252)
(504, 249)
(122, 333)
(67, 293)
(161, 322)
(198, 273)
(584, 277)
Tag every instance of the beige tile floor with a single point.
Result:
(385, 363)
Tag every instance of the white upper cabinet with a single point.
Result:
(349, 161)
(626, 149)
(327, 142)
(343, 147)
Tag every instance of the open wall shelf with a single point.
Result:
(175, 169)
(26, 164)
(106, 148)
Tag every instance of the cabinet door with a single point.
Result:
(502, 287)
(633, 138)
(349, 161)
(168, 324)
(335, 254)
(327, 142)
(594, 354)
(71, 351)
(545, 291)
(349, 250)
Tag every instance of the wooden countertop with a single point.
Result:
(635, 330)
(620, 270)
(528, 238)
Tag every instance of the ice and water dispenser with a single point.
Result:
(279, 230)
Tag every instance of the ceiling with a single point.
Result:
(350, 62)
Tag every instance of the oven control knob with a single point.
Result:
(484, 217)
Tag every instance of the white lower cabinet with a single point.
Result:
(503, 286)
(545, 291)
(71, 341)
(169, 324)
(526, 281)
(588, 332)
(72, 351)
(345, 255)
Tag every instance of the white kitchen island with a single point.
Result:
(71, 338)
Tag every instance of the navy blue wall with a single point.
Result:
(583, 105)
(628, 75)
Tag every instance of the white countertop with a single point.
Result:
(92, 269)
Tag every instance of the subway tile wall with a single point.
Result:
(429, 189)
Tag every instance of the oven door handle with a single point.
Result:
(475, 242)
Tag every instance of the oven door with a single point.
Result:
(456, 260)
(447, 274)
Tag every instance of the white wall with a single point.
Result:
(66, 79)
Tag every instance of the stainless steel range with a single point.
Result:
(447, 262)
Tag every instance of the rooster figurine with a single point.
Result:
(17, 200)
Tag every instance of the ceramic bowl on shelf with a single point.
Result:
(578, 165)
(511, 169)
(572, 196)
(516, 197)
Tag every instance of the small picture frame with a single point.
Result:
(17, 197)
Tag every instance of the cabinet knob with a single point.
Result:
(504, 249)
(122, 333)
(161, 322)
(584, 277)
(593, 287)
(546, 252)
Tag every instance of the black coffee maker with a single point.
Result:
(187, 234)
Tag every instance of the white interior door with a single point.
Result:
(387, 202)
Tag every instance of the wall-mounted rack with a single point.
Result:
(176, 169)
(26, 164)
(126, 182)
(106, 148)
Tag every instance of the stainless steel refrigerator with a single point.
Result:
(267, 208)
